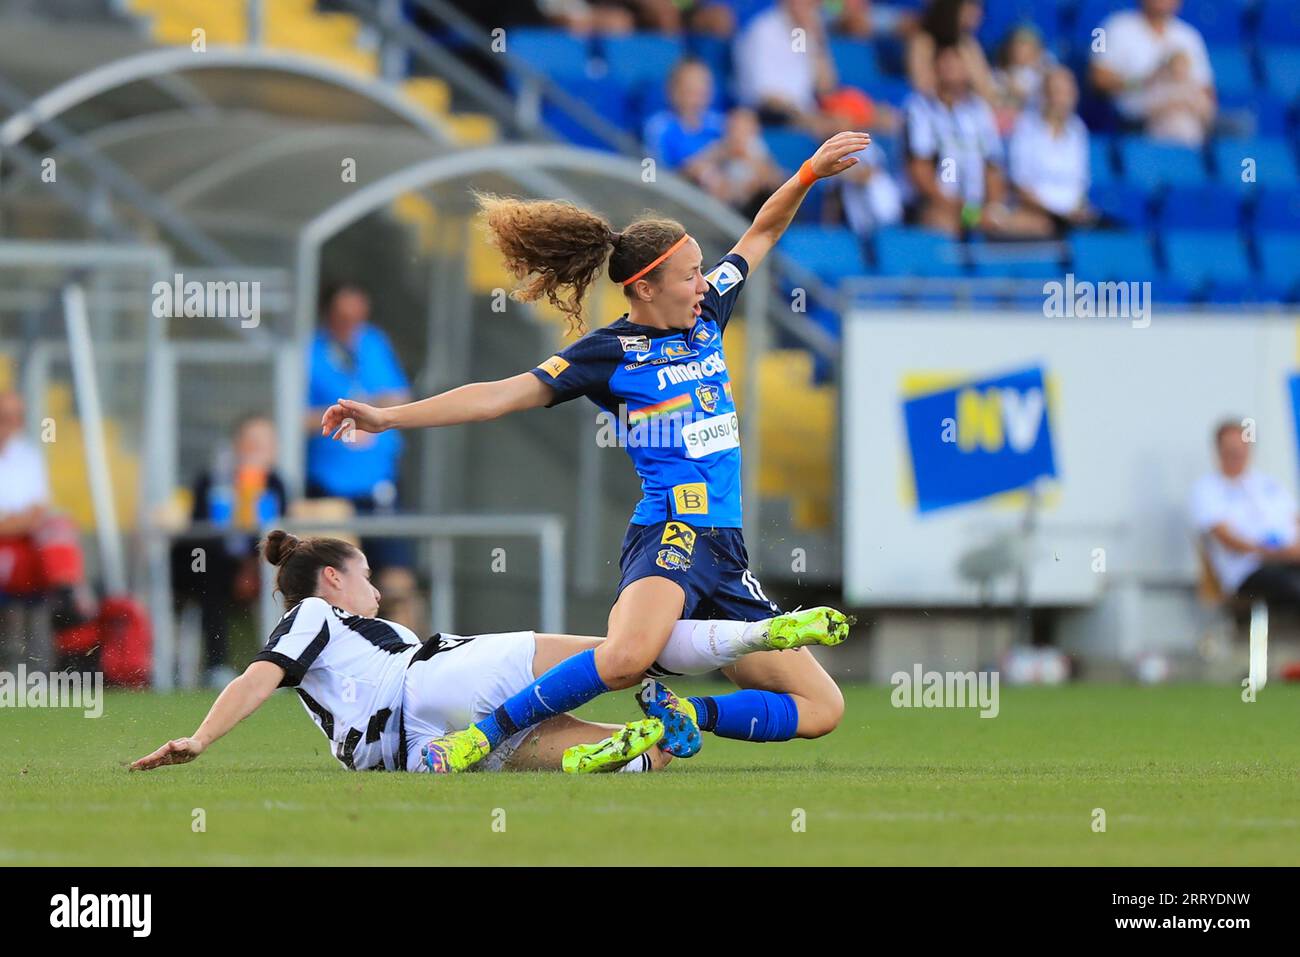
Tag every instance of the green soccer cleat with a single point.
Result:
(812, 626)
(630, 741)
(455, 752)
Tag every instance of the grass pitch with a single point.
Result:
(1185, 775)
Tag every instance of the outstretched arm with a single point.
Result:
(832, 157)
(476, 402)
(241, 697)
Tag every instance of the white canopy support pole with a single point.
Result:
(92, 429)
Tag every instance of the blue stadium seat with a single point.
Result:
(1154, 166)
(789, 147)
(1274, 163)
(855, 62)
(1001, 16)
(1233, 73)
(1101, 159)
(1260, 112)
(1277, 211)
(1214, 263)
(1282, 70)
(714, 51)
(1122, 202)
(556, 53)
(637, 60)
(832, 252)
(1112, 257)
(1200, 207)
(891, 90)
(1088, 17)
(605, 98)
(1279, 21)
(901, 251)
(1279, 259)
(1220, 21)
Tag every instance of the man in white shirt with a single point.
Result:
(780, 72)
(1250, 523)
(1141, 53)
(1048, 153)
(24, 486)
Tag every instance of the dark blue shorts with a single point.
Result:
(710, 564)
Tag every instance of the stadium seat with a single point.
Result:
(1274, 163)
(1282, 70)
(1101, 159)
(1002, 16)
(1259, 112)
(1233, 73)
(1279, 259)
(1279, 21)
(1089, 16)
(558, 54)
(1154, 166)
(855, 62)
(1277, 211)
(901, 251)
(1213, 263)
(789, 147)
(891, 90)
(1122, 203)
(637, 60)
(831, 252)
(1220, 21)
(1200, 207)
(1111, 257)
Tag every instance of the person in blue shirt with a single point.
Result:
(659, 375)
(352, 359)
(675, 135)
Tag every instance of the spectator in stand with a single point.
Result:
(1157, 69)
(1023, 65)
(350, 358)
(243, 491)
(1250, 523)
(949, 23)
(676, 134)
(954, 160)
(738, 169)
(1048, 155)
(24, 483)
(868, 195)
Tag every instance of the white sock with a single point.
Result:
(698, 647)
(638, 764)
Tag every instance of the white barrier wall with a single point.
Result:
(1130, 412)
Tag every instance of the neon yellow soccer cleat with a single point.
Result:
(628, 742)
(455, 752)
(812, 626)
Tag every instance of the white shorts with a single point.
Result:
(466, 681)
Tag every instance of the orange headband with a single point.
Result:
(666, 253)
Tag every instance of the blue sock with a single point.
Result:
(749, 715)
(573, 682)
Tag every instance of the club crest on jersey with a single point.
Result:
(679, 534)
(672, 560)
(708, 394)
(634, 343)
(724, 278)
(701, 335)
(677, 350)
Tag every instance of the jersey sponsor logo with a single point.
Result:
(679, 534)
(634, 343)
(691, 498)
(554, 366)
(672, 560)
(710, 436)
(724, 278)
(701, 335)
(676, 350)
(691, 371)
(708, 394)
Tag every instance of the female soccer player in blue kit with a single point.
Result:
(684, 555)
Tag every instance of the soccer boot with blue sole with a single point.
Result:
(682, 737)
(630, 741)
(455, 752)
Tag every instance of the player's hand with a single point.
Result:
(179, 751)
(348, 415)
(833, 156)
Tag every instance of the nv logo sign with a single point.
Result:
(979, 438)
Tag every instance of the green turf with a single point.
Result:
(1186, 775)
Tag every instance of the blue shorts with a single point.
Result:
(710, 564)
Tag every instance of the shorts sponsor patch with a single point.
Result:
(691, 499)
(725, 277)
(672, 560)
(712, 435)
(554, 366)
(679, 534)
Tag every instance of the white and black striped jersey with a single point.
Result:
(349, 673)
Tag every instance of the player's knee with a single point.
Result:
(623, 663)
(825, 714)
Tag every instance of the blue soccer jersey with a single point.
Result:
(667, 398)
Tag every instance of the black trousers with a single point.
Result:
(1277, 583)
